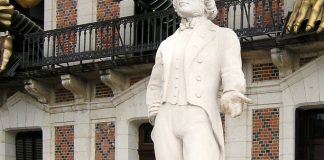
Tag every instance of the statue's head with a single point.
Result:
(194, 8)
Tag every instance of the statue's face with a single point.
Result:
(190, 8)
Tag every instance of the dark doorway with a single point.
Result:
(309, 134)
(145, 145)
(29, 146)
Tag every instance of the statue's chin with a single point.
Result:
(189, 14)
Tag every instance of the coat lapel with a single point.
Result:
(200, 38)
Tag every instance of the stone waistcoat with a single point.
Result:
(177, 84)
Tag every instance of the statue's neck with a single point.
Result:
(194, 20)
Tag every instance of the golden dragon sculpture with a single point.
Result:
(310, 11)
(6, 13)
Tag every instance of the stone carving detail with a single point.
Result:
(116, 81)
(283, 59)
(41, 91)
(76, 85)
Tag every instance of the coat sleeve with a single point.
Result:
(231, 64)
(154, 87)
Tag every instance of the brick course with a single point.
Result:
(66, 16)
(106, 10)
(303, 61)
(103, 91)
(265, 71)
(265, 19)
(105, 141)
(64, 142)
(265, 134)
(66, 13)
(63, 95)
(135, 79)
(221, 18)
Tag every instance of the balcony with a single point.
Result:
(134, 39)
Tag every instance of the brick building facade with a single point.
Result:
(97, 115)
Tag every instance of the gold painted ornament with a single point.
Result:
(28, 3)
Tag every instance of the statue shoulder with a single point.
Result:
(166, 42)
(227, 33)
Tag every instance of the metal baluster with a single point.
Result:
(278, 15)
(161, 28)
(79, 37)
(167, 25)
(154, 30)
(124, 36)
(227, 11)
(242, 14)
(130, 33)
(263, 12)
(113, 40)
(90, 40)
(234, 9)
(142, 35)
(33, 55)
(148, 31)
(135, 32)
(54, 50)
(24, 54)
(48, 45)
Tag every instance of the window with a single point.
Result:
(309, 134)
(29, 146)
(145, 145)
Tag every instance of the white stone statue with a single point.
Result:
(182, 91)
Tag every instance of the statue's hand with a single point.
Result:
(232, 103)
(152, 112)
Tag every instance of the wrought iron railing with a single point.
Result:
(140, 35)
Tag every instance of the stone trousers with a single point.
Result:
(183, 133)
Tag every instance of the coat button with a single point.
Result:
(198, 78)
(198, 95)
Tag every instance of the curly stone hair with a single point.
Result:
(210, 8)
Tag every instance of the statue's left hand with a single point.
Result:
(232, 103)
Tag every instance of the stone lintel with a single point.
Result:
(116, 81)
(284, 60)
(76, 85)
(38, 89)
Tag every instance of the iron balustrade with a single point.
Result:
(140, 35)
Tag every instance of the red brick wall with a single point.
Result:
(221, 19)
(134, 80)
(103, 91)
(64, 143)
(105, 141)
(265, 134)
(106, 10)
(267, 20)
(265, 71)
(66, 13)
(63, 95)
(66, 16)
